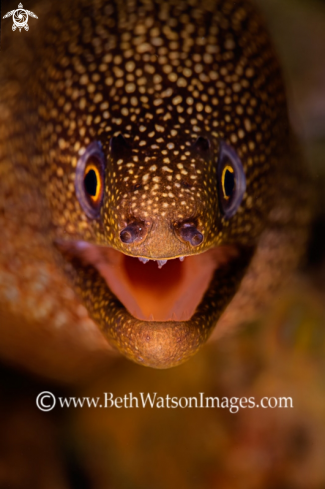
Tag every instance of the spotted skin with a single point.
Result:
(160, 85)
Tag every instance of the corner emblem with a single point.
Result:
(20, 18)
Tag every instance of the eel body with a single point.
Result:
(149, 180)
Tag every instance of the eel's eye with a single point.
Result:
(89, 182)
(228, 182)
(93, 182)
(231, 180)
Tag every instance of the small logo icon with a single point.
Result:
(20, 18)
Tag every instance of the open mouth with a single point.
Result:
(154, 290)
(155, 312)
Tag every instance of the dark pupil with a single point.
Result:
(91, 183)
(229, 183)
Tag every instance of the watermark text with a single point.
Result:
(46, 401)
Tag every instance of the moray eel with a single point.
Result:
(146, 154)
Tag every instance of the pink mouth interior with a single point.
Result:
(152, 294)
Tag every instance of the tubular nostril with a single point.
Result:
(126, 236)
(188, 232)
(133, 232)
(197, 239)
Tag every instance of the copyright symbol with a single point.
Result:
(45, 401)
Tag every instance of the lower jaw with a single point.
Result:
(157, 343)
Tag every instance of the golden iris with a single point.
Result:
(93, 183)
(228, 181)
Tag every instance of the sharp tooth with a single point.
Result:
(161, 263)
(143, 260)
(181, 258)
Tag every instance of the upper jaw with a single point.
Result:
(160, 238)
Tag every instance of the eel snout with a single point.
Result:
(161, 239)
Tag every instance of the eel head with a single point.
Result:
(161, 138)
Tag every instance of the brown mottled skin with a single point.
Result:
(161, 74)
